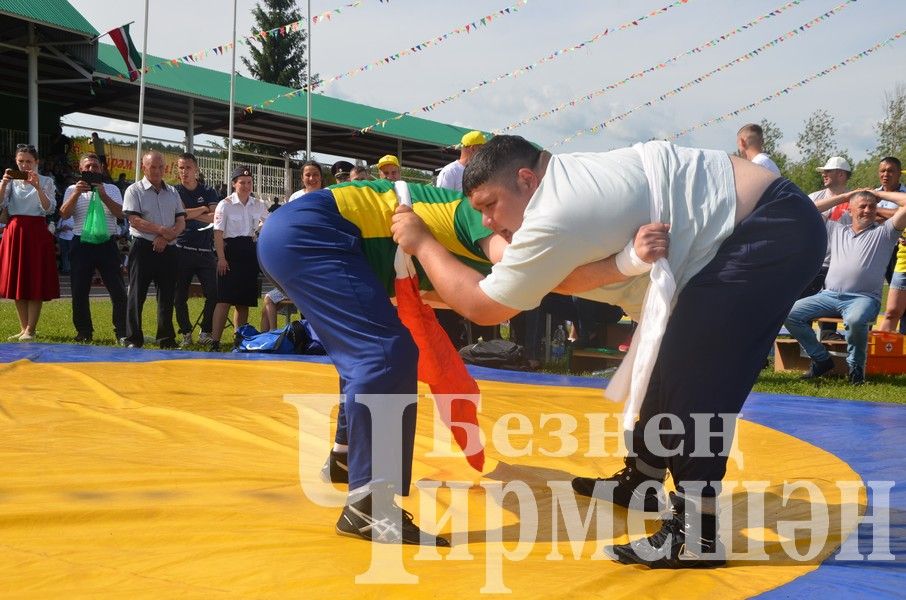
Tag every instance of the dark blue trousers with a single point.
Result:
(106, 259)
(316, 257)
(723, 325)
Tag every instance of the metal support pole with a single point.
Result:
(141, 99)
(308, 87)
(33, 51)
(232, 96)
(287, 176)
(190, 129)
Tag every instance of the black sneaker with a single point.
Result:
(832, 336)
(629, 484)
(817, 369)
(83, 338)
(335, 469)
(667, 548)
(385, 524)
(856, 376)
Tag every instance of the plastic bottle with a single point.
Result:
(558, 343)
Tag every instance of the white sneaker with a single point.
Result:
(186, 340)
(205, 338)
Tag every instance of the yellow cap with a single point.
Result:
(388, 159)
(473, 138)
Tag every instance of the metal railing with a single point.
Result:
(10, 138)
(269, 181)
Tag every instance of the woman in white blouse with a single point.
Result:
(28, 263)
(236, 221)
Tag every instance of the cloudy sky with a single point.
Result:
(853, 95)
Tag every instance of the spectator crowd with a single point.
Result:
(152, 232)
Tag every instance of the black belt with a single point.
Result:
(193, 249)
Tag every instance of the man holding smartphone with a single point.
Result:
(85, 257)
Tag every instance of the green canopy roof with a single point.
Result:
(56, 13)
(215, 85)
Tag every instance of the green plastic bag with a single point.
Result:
(95, 229)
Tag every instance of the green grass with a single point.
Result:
(877, 388)
(56, 326)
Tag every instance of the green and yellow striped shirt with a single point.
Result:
(369, 205)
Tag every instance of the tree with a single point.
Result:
(815, 144)
(816, 141)
(281, 58)
(892, 128)
(772, 137)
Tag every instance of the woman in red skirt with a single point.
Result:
(28, 265)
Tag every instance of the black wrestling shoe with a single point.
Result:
(629, 484)
(817, 369)
(335, 469)
(669, 547)
(386, 523)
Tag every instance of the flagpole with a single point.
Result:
(141, 98)
(232, 97)
(308, 87)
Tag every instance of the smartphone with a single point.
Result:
(91, 178)
(16, 174)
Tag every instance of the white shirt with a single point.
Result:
(450, 177)
(763, 160)
(81, 208)
(62, 232)
(237, 220)
(844, 218)
(22, 198)
(161, 207)
(888, 203)
(589, 206)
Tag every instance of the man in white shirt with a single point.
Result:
(156, 218)
(85, 257)
(450, 177)
(743, 245)
(750, 141)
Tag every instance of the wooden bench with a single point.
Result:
(583, 360)
(611, 336)
(286, 308)
(789, 355)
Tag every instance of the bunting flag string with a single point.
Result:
(279, 31)
(521, 70)
(656, 67)
(801, 83)
(701, 78)
(381, 62)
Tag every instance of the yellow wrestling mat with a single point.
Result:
(184, 478)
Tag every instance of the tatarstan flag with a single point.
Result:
(130, 55)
